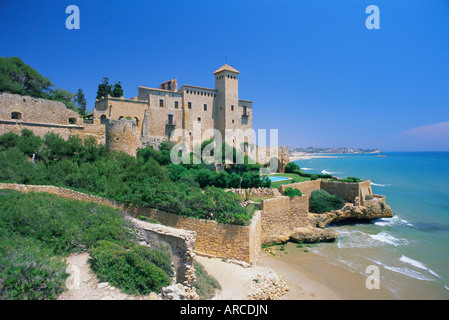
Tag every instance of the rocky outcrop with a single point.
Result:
(316, 232)
(313, 235)
(373, 210)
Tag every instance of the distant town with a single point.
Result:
(333, 150)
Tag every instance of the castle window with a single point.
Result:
(137, 121)
(170, 119)
(205, 107)
(232, 120)
(120, 118)
(189, 105)
(161, 103)
(72, 120)
(16, 115)
(199, 119)
(103, 119)
(232, 107)
(176, 104)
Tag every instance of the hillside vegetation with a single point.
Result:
(148, 180)
(38, 230)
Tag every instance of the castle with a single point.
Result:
(153, 116)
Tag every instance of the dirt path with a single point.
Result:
(84, 285)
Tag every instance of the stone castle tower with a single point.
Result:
(158, 112)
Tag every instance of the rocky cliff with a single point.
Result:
(316, 231)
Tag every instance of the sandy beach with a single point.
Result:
(305, 156)
(308, 276)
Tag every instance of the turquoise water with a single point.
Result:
(275, 178)
(412, 248)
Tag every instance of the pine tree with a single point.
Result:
(81, 102)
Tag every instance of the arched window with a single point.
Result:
(120, 118)
(103, 119)
(16, 115)
(72, 120)
(137, 121)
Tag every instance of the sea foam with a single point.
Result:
(388, 238)
(418, 264)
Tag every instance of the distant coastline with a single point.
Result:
(312, 152)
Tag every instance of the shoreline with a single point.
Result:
(308, 276)
(314, 277)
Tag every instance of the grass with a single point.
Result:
(294, 178)
(205, 284)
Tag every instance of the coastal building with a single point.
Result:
(190, 114)
(158, 112)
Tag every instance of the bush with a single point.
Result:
(291, 167)
(29, 270)
(321, 201)
(134, 271)
(314, 177)
(205, 284)
(290, 192)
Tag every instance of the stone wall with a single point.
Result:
(256, 191)
(122, 135)
(281, 216)
(353, 192)
(42, 116)
(212, 238)
(306, 187)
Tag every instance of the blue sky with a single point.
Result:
(312, 67)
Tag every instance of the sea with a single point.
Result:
(411, 250)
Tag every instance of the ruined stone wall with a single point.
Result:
(42, 116)
(36, 110)
(353, 192)
(306, 187)
(281, 215)
(213, 238)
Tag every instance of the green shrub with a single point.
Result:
(29, 270)
(290, 192)
(147, 219)
(291, 167)
(130, 270)
(321, 201)
(314, 177)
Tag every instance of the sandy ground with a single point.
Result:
(308, 277)
(84, 285)
(305, 156)
(312, 276)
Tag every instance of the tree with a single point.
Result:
(104, 88)
(65, 97)
(117, 91)
(19, 78)
(81, 102)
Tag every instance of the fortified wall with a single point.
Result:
(42, 116)
(276, 220)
